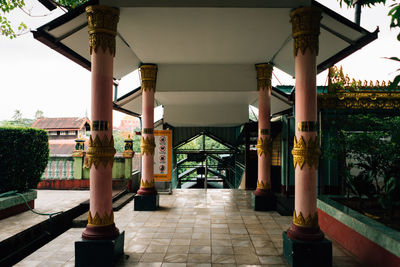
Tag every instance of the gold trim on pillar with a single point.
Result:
(261, 185)
(101, 151)
(100, 126)
(264, 146)
(102, 24)
(305, 29)
(146, 184)
(148, 76)
(264, 75)
(307, 126)
(309, 221)
(306, 152)
(148, 131)
(264, 131)
(101, 221)
(147, 145)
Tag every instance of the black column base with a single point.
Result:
(307, 253)
(99, 252)
(146, 202)
(264, 202)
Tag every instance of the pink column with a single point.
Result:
(148, 76)
(264, 73)
(103, 22)
(305, 23)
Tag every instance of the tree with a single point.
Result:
(17, 115)
(394, 13)
(7, 6)
(38, 114)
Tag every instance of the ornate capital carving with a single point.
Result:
(263, 186)
(102, 23)
(146, 184)
(311, 221)
(264, 76)
(264, 146)
(148, 76)
(101, 151)
(147, 145)
(305, 29)
(306, 152)
(101, 221)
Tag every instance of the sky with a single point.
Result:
(35, 77)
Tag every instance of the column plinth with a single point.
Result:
(102, 24)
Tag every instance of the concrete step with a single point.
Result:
(122, 201)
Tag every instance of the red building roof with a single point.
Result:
(74, 123)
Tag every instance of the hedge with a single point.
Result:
(24, 153)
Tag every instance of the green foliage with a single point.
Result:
(394, 13)
(7, 6)
(120, 145)
(24, 153)
(373, 147)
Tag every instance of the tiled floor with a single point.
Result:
(192, 228)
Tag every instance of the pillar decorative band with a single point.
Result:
(264, 131)
(264, 75)
(101, 151)
(264, 146)
(100, 125)
(147, 145)
(148, 76)
(263, 186)
(306, 152)
(307, 126)
(148, 131)
(311, 221)
(305, 29)
(101, 221)
(146, 184)
(102, 24)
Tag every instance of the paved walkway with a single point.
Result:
(48, 201)
(194, 227)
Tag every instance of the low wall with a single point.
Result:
(80, 184)
(372, 242)
(15, 204)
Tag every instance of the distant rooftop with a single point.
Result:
(73, 123)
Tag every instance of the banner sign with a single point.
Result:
(163, 155)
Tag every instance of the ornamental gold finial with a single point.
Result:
(305, 29)
(148, 76)
(264, 75)
(102, 24)
(306, 152)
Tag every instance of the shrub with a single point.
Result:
(24, 153)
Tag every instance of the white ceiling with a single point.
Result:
(205, 51)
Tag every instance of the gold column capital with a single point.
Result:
(264, 75)
(148, 76)
(102, 24)
(305, 29)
